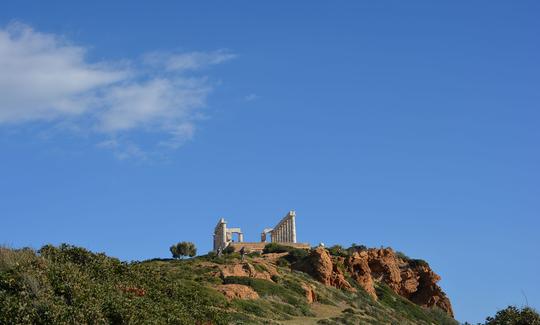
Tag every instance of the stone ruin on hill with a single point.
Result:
(284, 233)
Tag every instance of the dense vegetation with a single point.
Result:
(71, 285)
(514, 316)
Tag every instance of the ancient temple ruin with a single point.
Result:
(284, 233)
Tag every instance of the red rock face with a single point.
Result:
(410, 279)
(358, 266)
(309, 291)
(320, 266)
(237, 291)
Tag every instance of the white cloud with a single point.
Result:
(188, 61)
(45, 78)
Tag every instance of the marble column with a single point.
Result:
(293, 226)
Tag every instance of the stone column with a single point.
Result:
(240, 237)
(293, 226)
(224, 236)
(290, 230)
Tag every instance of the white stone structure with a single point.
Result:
(223, 236)
(283, 232)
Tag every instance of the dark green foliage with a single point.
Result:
(296, 254)
(71, 285)
(402, 255)
(414, 262)
(283, 262)
(182, 249)
(515, 316)
(356, 248)
(418, 262)
(338, 250)
(276, 248)
(228, 250)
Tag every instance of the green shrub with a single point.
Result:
(276, 248)
(514, 316)
(283, 262)
(338, 250)
(356, 248)
(296, 254)
(402, 255)
(418, 262)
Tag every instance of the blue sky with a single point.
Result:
(125, 127)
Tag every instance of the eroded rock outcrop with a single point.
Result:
(412, 279)
(309, 290)
(320, 266)
(237, 291)
(358, 267)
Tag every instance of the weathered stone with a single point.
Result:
(319, 265)
(309, 290)
(358, 267)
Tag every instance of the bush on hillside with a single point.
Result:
(276, 248)
(356, 248)
(418, 262)
(512, 315)
(295, 254)
(228, 250)
(71, 285)
(402, 255)
(338, 250)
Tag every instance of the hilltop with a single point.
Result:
(283, 285)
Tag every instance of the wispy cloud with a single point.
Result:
(188, 61)
(250, 97)
(43, 77)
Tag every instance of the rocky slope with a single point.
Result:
(411, 279)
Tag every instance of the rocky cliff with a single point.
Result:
(412, 279)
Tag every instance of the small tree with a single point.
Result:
(515, 316)
(182, 249)
(174, 251)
